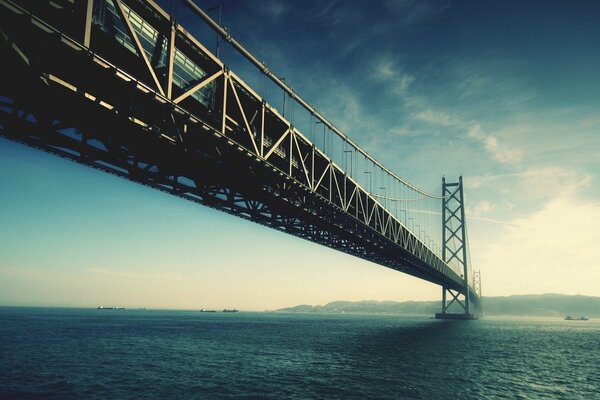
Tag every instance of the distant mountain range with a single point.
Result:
(543, 305)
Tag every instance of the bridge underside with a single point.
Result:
(223, 176)
(195, 161)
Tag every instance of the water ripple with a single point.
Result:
(72, 354)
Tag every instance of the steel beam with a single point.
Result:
(87, 32)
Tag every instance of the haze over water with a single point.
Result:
(99, 354)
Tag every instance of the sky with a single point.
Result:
(504, 93)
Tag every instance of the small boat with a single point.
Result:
(226, 310)
(581, 318)
(203, 310)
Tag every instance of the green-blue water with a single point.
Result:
(123, 354)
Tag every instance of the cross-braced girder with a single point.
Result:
(454, 241)
(111, 96)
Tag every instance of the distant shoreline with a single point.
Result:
(537, 305)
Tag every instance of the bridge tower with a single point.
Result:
(454, 249)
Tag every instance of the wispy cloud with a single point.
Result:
(491, 220)
(517, 196)
(536, 179)
(402, 13)
(501, 153)
(343, 102)
(436, 118)
(413, 12)
(274, 9)
(498, 149)
(339, 12)
(482, 84)
(482, 207)
(389, 72)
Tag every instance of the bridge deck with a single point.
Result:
(71, 89)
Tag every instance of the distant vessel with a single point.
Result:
(110, 308)
(226, 310)
(203, 310)
(582, 318)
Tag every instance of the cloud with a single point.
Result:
(490, 142)
(389, 72)
(384, 70)
(339, 13)
(556, 178)
(559, 242)
(436, 118)
(414, 12)
(520, 193)
(481, 208)
(491, 220)
(342, 102)
(534, 180)
(474, 86)
(473, 130)
(401, 13)
(274, 9)
(402, 84)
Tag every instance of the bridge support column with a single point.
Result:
(455, 299)
(454, 248)
(444, 306)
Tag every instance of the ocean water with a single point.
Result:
(128, 354)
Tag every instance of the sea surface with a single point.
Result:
(51, 353)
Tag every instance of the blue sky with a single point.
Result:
(505, 93)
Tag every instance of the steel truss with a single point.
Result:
(71, 89)
(454, 246)
(477, 290)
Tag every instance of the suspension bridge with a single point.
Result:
(124, 87)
